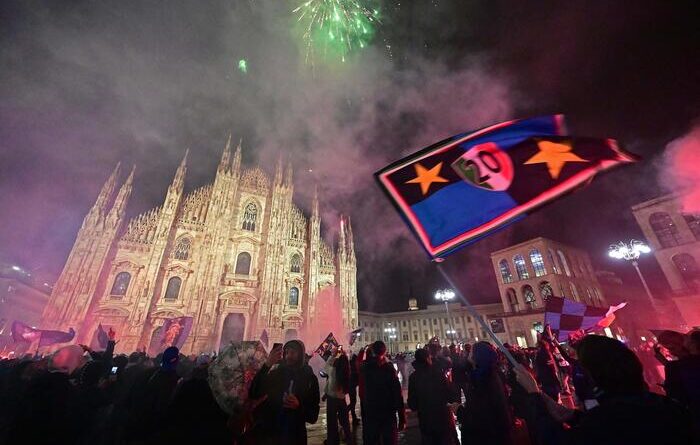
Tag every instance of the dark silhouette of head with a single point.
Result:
(613, 367)
(171, 357)
(378, 350)
(423, 357)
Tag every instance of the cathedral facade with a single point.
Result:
(237, 255)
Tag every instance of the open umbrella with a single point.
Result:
(232, 372)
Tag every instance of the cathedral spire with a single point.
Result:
(314, 204)
(107, 189)
(288, 175)
(278, 171)
(119, 207)
(237, 158)
(179, 179)
(341, 242)
(225, 163)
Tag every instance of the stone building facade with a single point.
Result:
(529, 272)
(674, 236)
(237, 255)
(409, 330)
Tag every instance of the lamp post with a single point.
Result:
(631, 252)
(445, 295)
(390, 333)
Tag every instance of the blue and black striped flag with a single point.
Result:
(465, 187)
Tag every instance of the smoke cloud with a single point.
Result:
(681, 170)
(87, 85)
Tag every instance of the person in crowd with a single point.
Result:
(382, 399)
(291, 394)
(337, 369)
(486, 415)
(683, 378)
(355, 361)
(626, 414)
(461, 369)
(430, 395)
(546, 369)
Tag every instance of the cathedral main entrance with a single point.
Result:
(233, 330)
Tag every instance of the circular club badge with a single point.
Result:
(485, 166)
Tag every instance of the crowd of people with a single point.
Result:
(592, 390)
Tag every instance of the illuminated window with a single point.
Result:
(520, 267)
(506, 276)
(537, 263)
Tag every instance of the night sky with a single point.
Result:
(85, 84)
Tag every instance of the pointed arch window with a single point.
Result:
(506, 276)
(529, 296)
(537, 263)
(552, 261)
(243, 264)
(520, 267)
(121, 284)
(546, 291)
(564, 263)
(512, 300)
(295, 264)
(294, 297)
(182, 249)
(172, 291)
(665, 229)
(250, 216)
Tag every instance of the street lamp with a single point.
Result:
(631, 252)
(445, 295)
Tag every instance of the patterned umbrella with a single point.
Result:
(232, 372)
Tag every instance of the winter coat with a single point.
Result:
(274, 423)
(428, 394)
(382, 392)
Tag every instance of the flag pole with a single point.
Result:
(477, 317)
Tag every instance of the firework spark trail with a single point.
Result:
(335, 28)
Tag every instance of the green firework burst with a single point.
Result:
(332, 29)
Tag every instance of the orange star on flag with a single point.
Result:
(426, 177)
(555, 155)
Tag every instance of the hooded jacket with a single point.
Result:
(276, 424)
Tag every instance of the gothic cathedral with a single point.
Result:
(237, 255)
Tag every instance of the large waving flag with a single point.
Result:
(27, 334)
(174, 332)
(463, 188)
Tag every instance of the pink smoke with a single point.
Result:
(681, 172)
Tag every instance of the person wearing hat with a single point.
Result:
(291, 396)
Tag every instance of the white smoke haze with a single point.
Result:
(681, 169)
(140, 82)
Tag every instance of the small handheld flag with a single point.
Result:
(566, 316)
(467, 186)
